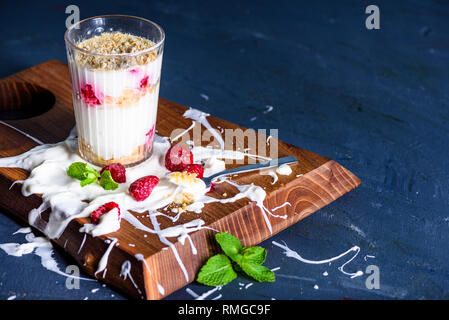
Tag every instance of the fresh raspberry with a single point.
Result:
(178, 157)
(105, 208)
(149, 136)
(211, 188)
(117, 170)
(88, 94)
(195, 168)
(142, 188)
(144, 82)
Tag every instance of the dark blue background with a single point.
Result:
(377, 101)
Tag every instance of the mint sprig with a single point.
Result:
(230, 245)
(255, 255)
(257, 271)
(107, 182)
(219, 270)
(83, 172)
(88, 175)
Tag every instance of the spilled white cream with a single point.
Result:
(140, 257)
(200, 152)
(251, 191)
(39, 246)
(213, 165)
(102, 264)
(67, 200)
(125, 272)
(23, 230)
(284, 169)
(293, 254)
(183, 132)
(271, 174)
(109, 222)
(205, 294)
(197, 115)
(281, 206)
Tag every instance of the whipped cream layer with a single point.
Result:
(112, 83)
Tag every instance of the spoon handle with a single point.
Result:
(251, 167)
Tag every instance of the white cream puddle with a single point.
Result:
(67, 200)
(284, 169)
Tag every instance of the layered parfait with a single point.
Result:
(115, 79)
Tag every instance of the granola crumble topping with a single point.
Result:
(115, 43)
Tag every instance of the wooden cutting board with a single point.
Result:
(46, 101)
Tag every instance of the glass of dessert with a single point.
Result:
(115, 67)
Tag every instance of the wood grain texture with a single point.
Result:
(321, 182)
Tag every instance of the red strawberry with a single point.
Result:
(195, 168)
(142, 188)
(88, 94)
(105, 208)
(117, 170)
(178, 157)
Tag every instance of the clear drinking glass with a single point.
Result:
(115, 94)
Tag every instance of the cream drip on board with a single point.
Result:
(271, 174)
(104, 259)
(183, 132)
(67, 200)
(201, 116)
(109, 222)
(283, 169)
(140, 257)
(125, 272)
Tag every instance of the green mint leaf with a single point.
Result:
(107, 182)
(237, 268)
(258, 272)
(82, 171)
(77, 170)
(90, 178)
(217, 271)
(254, 254)
(230, 245)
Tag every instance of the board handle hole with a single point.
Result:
(22, 100)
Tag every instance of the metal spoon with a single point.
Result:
(251, 167)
